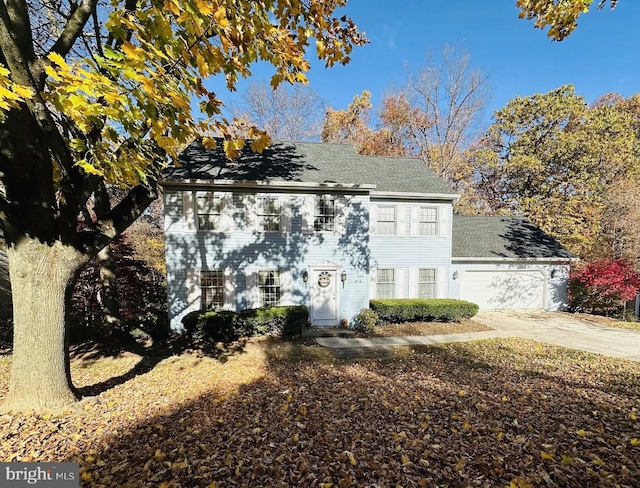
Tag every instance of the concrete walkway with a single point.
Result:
(552, 328)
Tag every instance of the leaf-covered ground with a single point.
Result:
(493, 413)
(605, 321)
(428, 328)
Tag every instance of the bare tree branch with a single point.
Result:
(74, 27)
(21, 74)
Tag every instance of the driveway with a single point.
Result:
(564, 330)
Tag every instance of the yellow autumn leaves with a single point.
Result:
(11, 94)
(128, 108)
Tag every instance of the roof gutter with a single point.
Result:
(270, 185)
(513, 260)
(450, 197)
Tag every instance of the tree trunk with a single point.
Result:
(109, 292)
(41, 278)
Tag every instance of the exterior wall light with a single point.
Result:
(305, 278)
(455, 275)
(343, 277)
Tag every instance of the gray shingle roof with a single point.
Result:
(503, 237)
(309, 162)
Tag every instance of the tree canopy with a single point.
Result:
(94, 94)
(564, 165)
(436, 116)
(561, 16)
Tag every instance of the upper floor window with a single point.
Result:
(386, 225)
(269, 214)
(269, 287)
(428, 221)
(211, 289)
(385, 283)
(209, 210)
(426, 283)
(324, 214)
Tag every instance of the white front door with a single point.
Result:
(324, 297)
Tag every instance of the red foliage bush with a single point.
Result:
(604, 285)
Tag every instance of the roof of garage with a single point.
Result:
(500, 237)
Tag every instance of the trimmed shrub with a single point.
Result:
(365, 321)
(397, 310)
(284, 321)
(224, 326)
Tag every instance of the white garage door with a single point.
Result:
(492, 290)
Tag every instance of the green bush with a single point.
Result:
(397, 310)
(203, 327)
(284, 321)
(365, 321)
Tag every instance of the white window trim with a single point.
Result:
(315, 214)
(395, 220)
(434, 282)
(194, 291)
(394, 282)
(221, 287)
(253, 286)
(215, 196)
(226, 211)
(258, 215)
(415, 220)
(436, 221)
(341, 209)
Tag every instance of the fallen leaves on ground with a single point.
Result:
(428, 328)
(496, 413)
(605, 321)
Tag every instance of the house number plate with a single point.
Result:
(324, 279)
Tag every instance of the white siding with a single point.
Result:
(286, 287)
(444, 221)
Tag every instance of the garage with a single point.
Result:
(503, 263)
(492, 290)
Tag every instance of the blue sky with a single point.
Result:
(601, 56)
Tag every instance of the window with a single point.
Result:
(385, 283)
(324, 214)
(211, 289)
(269, 214)
(428, 221)
(269, 287)
(209, 210)
(386, 225)
(426, 283)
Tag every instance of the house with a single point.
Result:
(318, 224)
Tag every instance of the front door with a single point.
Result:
(324, 297)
